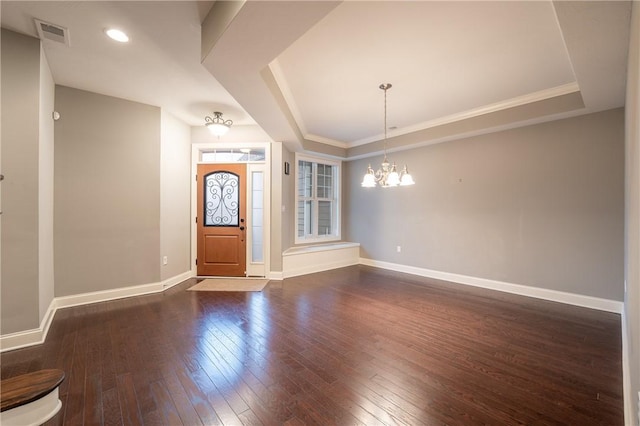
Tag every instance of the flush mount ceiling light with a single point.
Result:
(117, 35)
(217, 125)
(387, 175)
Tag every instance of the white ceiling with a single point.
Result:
(159, 66)
(309, 71)
(442, 58)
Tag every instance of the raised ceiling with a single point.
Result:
(442, 58)
(457, 68)
(307, 72)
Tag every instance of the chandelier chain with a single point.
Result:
(385, 87)
(387, 175)
(385, 122)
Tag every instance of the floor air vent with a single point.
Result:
(52, 32)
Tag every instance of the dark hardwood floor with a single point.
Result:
(356, 345)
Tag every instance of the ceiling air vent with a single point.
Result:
(52, 32)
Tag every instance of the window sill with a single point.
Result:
(317, 240)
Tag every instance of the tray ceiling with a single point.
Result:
(307, 72)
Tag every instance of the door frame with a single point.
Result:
(196, 152)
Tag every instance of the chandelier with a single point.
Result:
(387, 175)
(217, 125)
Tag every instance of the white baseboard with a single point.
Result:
(320, 257)
(36, 336)
(276, 275)
(170, 282)
(312, 268)
(23, 339)
(48, 318)
(106, 295)
(523, 290)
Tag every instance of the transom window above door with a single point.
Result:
(241, 155)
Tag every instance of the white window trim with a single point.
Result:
(255, 269)
(336, 236)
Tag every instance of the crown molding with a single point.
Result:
(281, 81)
(326, 141)
(487, 109)
(529, 98)
(477, 132)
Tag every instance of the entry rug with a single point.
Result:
(230, 284)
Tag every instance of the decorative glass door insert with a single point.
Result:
(222, 199)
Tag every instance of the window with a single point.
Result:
(257, 230)
(317, 199)
(242, 155)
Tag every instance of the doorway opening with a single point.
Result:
(220, 248)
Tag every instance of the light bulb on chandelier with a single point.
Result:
(387, 175)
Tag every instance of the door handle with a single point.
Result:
(242, 228)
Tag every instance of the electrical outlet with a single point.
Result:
(165, 260)
(398, 249)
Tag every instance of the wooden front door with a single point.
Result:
(221, 219)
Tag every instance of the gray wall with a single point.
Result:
(175, 197)
(540, 206)
(20, 157)
(107, 193)
(277, 217)
(288, 200)
(45, 188)
(632, 217)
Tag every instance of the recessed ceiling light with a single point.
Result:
(117, 35)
